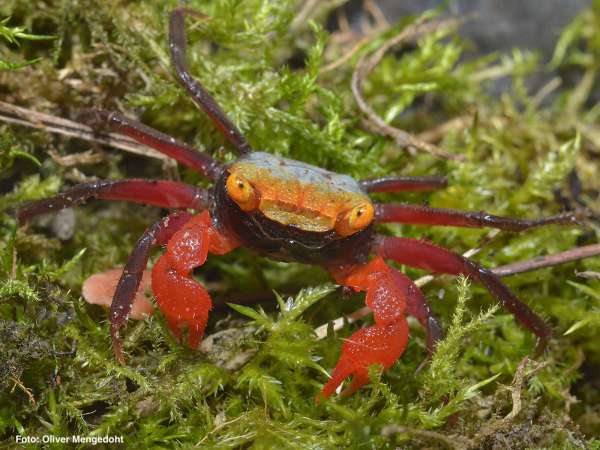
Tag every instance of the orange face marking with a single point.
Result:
(303, 196)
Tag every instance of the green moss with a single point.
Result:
(267, 70)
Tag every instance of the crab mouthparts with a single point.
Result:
(306, 219)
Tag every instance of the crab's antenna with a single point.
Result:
(177, 44)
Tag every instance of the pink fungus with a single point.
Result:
(99, 289)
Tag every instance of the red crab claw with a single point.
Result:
(184, 301)
(379, 344)
(387, 294)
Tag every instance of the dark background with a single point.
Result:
(498, 25)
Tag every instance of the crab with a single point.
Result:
(286, 210)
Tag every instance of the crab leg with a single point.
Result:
(417, 306)
(424, 215)
(428, 256)
(400, 184)
(182, 300)
(177, 44)
(166, 194)
(390, 294)
(157, 235)
(181, 152)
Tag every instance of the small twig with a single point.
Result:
(343, 22)
(375, 12)
(13, 269)
(576, 254)
(515, 389)
(346, 32)
(367, 63)
(24, 388)
(53, 124)
(346, 56)
(304, 14)
(588, 251)
(437, 133)
(451, 441)
(372, 17)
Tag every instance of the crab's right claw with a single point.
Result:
(184, 302)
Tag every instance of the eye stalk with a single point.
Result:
(242, 192)
(355, 219)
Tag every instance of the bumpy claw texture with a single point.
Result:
(382, 343)
(184, 301)
(379, 344)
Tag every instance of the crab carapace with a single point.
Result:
(289, 211)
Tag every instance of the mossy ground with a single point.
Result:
(525, 156)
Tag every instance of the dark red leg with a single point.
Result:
(400, 184)
(155, 236)
(181, 152)
(425, 255)
(388, 295)
(417, 306)
(166, 194)
(423, 215)
(177, 44)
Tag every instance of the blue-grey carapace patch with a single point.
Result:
(289, 169)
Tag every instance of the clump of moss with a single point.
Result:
(526, 154)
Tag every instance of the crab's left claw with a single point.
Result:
(379, 344)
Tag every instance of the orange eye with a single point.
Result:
(355, 220)
(242, 192)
